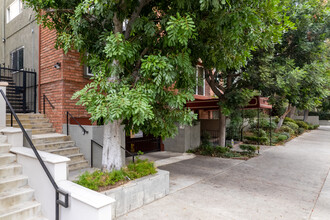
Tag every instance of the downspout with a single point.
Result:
(3, 31)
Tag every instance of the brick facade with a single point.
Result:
(59, 84)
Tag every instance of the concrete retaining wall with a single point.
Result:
(324, 122)
(84, 141)
(314, 120)
(188, 137)
(139, 192)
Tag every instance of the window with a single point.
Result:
(14, 9)
(17, 59)
(200, 74)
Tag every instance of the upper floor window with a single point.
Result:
(200, 74)
(14, 9)
(17, 59)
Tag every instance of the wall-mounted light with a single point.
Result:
(57, 65)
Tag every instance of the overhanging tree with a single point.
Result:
(143, 56)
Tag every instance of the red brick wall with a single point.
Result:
(59, 84)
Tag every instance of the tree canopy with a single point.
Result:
(143, 53)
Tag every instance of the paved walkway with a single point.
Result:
(285, 182)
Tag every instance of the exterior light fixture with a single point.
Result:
(57, 65)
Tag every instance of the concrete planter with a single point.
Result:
(139, 192)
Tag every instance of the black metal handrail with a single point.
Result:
(44, 103)
(67, 124)
(94, 142)
(58, 191)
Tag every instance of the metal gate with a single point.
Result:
(22, 88)
(144, 144)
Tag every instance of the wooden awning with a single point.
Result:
(210, 103)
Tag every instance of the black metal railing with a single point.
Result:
(44, 103)
(67, 124)
(101, 146)
(22, 88)
(58, 191)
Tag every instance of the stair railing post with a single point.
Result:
(44, 99)
(24, 92)
(67, 123)
(35, 93)
(91, 153)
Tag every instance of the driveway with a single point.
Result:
(284, 182)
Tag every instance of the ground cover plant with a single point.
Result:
(100, 181)
(207, 149)
(290, 129)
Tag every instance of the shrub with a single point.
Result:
(250, 149)
(292, 125)
(285, 128)
(99, 179)
(282, 137)
(301, 130)
(286, 134)
(254, 139)
(264, 124)
(302, 124)
(259, 133)
(289, 120)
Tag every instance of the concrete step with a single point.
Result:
(21, 211)
(54, 145)
(34, 126)
(49, 138)
(65, 151)
(3, 139)
(27, 121)
(42, 130)
(11, 169)
(76, 158)
(32, 116)
(37, 218)
(7, 158)
(78, 165)
(11, 182)
(4, 148)
(15, 196)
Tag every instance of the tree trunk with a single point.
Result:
(112, 153)
(280, 122)
(292, 112)
(222, 128)
(306, 112)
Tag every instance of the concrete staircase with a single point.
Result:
(44, 138)
(16, 197)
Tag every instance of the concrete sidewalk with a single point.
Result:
(285, 182)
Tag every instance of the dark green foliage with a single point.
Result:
(250, 149)
(322, 115)
(99, 179)
(254, 140)
(264, 124)
(218, 151)
(312, 127)
(301, 130)
(302, 124)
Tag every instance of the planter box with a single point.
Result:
(139, 192)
